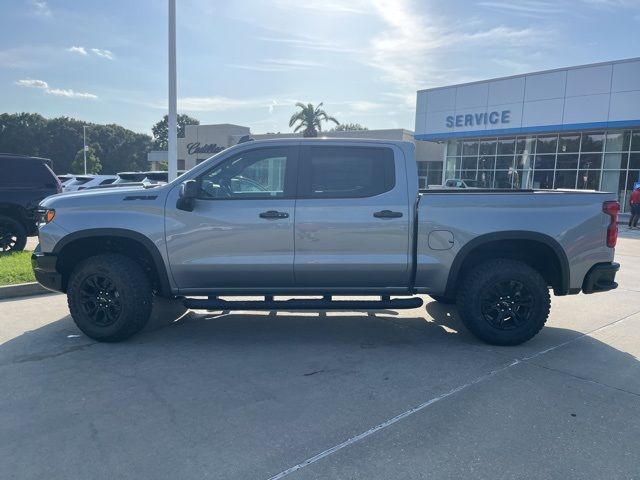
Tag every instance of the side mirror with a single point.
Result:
(187, 196)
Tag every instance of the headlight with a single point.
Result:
(46, 215)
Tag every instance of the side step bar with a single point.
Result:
(325, 303)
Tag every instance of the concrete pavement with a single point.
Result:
(405, 394)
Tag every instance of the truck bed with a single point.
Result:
(450, 221)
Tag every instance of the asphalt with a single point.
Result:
(407, 395)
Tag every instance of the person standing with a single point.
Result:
(634, 202)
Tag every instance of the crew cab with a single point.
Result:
(324, 218)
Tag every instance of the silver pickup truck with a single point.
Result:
(323, 218)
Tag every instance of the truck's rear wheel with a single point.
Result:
(13, 235)
(504, 302)
(110, 297)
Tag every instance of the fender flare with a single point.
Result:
(470, 246)
(156, 257)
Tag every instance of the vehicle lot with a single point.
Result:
(263, 395)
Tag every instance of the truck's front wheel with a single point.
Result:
(504, 302)
(110, 297)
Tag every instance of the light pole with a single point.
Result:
(172, 153)
(84, 147)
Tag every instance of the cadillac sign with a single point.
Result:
(194, 148)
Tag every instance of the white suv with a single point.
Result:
(82, 182)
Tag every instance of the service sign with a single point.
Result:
(496, 117)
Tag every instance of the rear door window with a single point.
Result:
(346, 172)
(22, 172)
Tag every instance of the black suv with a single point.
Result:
(24, 182)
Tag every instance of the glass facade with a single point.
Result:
(608, 161)
(429, 173)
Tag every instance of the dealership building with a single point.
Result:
(576, 127)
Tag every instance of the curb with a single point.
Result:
(22, 290)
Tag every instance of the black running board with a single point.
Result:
(302, 304)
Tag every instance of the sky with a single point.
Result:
(248, 61)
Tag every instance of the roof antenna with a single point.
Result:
(245, 138)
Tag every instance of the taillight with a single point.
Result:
(612, 209)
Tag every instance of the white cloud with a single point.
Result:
(327, 7)
(67, 92)
(32, 83)
(365, 106)
(103, 53)
(309, 43)
(98, 52)
(221, 103)
(79, 50)
(545, 8)
(40, 7)
(60, 92)
(413, 51)
(525, 8)
(279, 65)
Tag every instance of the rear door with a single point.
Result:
(352, 217)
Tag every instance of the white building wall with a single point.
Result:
(598, 96)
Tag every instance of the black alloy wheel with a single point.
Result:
(13, 236)
(100, 300)
(507, 304)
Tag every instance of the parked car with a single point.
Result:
(66, 179)
(83, 182)
(461, 183)
(130, 177)
(136, 179)
(157, 176)
(24, 182)
(330, 217)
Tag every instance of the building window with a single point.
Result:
(608, 161)
(430, 173)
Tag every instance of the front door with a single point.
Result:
(240, 232)
(352, 218)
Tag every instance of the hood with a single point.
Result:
(98, 196)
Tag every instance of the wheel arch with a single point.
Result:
(15, 211)
(77, 246)
(512, 244)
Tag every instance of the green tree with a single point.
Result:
(310, 119)
(161, 130)
(93, 162)
(348, 127)
(59, 139)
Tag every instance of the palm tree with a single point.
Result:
(310, 118)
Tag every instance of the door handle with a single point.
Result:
(387, 214)
(273, 214)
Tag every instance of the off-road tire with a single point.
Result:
(133, 292)
(10, 228)
(475, 301)
(443, 300)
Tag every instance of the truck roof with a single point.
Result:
(298, 141)
(25, 158)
